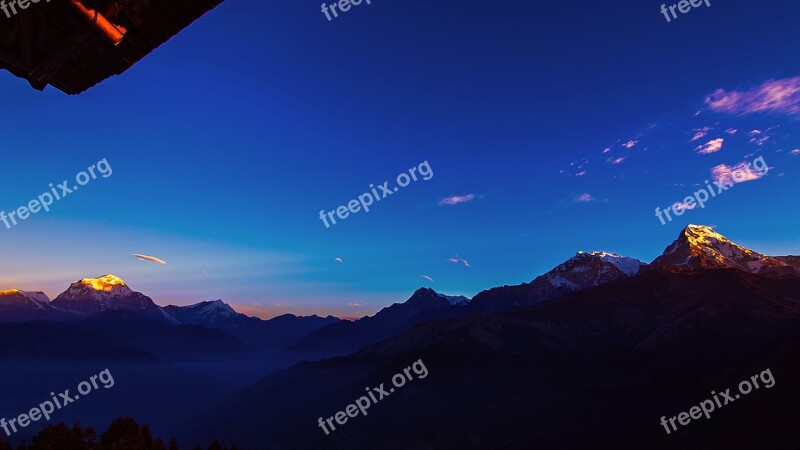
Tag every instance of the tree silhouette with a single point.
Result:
(158, 444)
(123, 434)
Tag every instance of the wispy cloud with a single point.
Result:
(795, 151)
(774, 96)
(459, 261)
(700, 133)
(684, 206)
(731, 131)
(455, 200)
(618, 160)
(584, 198)
(339, 260)
(630, 144)
(148, 258)
(427, 278)
(739, 173)
(711, 146)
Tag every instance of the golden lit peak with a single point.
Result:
(104, 283)
(10, 292)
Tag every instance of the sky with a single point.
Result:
(548, 127)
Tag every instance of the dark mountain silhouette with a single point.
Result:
(596, 369)
(345, 337)
(274, 334)
(52, 341)
(161, 338)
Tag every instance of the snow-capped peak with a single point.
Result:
(629, 266)
(700, 246)
(216, 307)
(106, 283)
(100, 288)
(38, 298)
(455, 300)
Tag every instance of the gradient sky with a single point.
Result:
(227, 141)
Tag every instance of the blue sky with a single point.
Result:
(227, 141)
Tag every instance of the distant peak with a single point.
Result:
(630, 266)
(600, 254)
(40, 297)
(424, 290)
(105, 283)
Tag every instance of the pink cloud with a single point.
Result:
(455, 200)
(700, 133)
(630, 144)
(731, 131)
(739, 173)
(774, 96)
(711, 146)
(607, 150)
(795, 151)
(583, 198)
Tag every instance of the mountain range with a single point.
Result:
(697, 247)
(592, 369)
(587, 355)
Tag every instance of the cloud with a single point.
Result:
(459, 261)
(731, 131)
(684, 206)
(700, 133)
(795, 151)
(584, 198)
(711, 146)
(630, 144)
(455, 200)
(759, 142)
(355, 304)
(618, 160)
(580, 174)
(148, 258)
(773, 96)
(754, 133)
(607, 150)
(739, 173)
(427, 278)
(339, 260)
